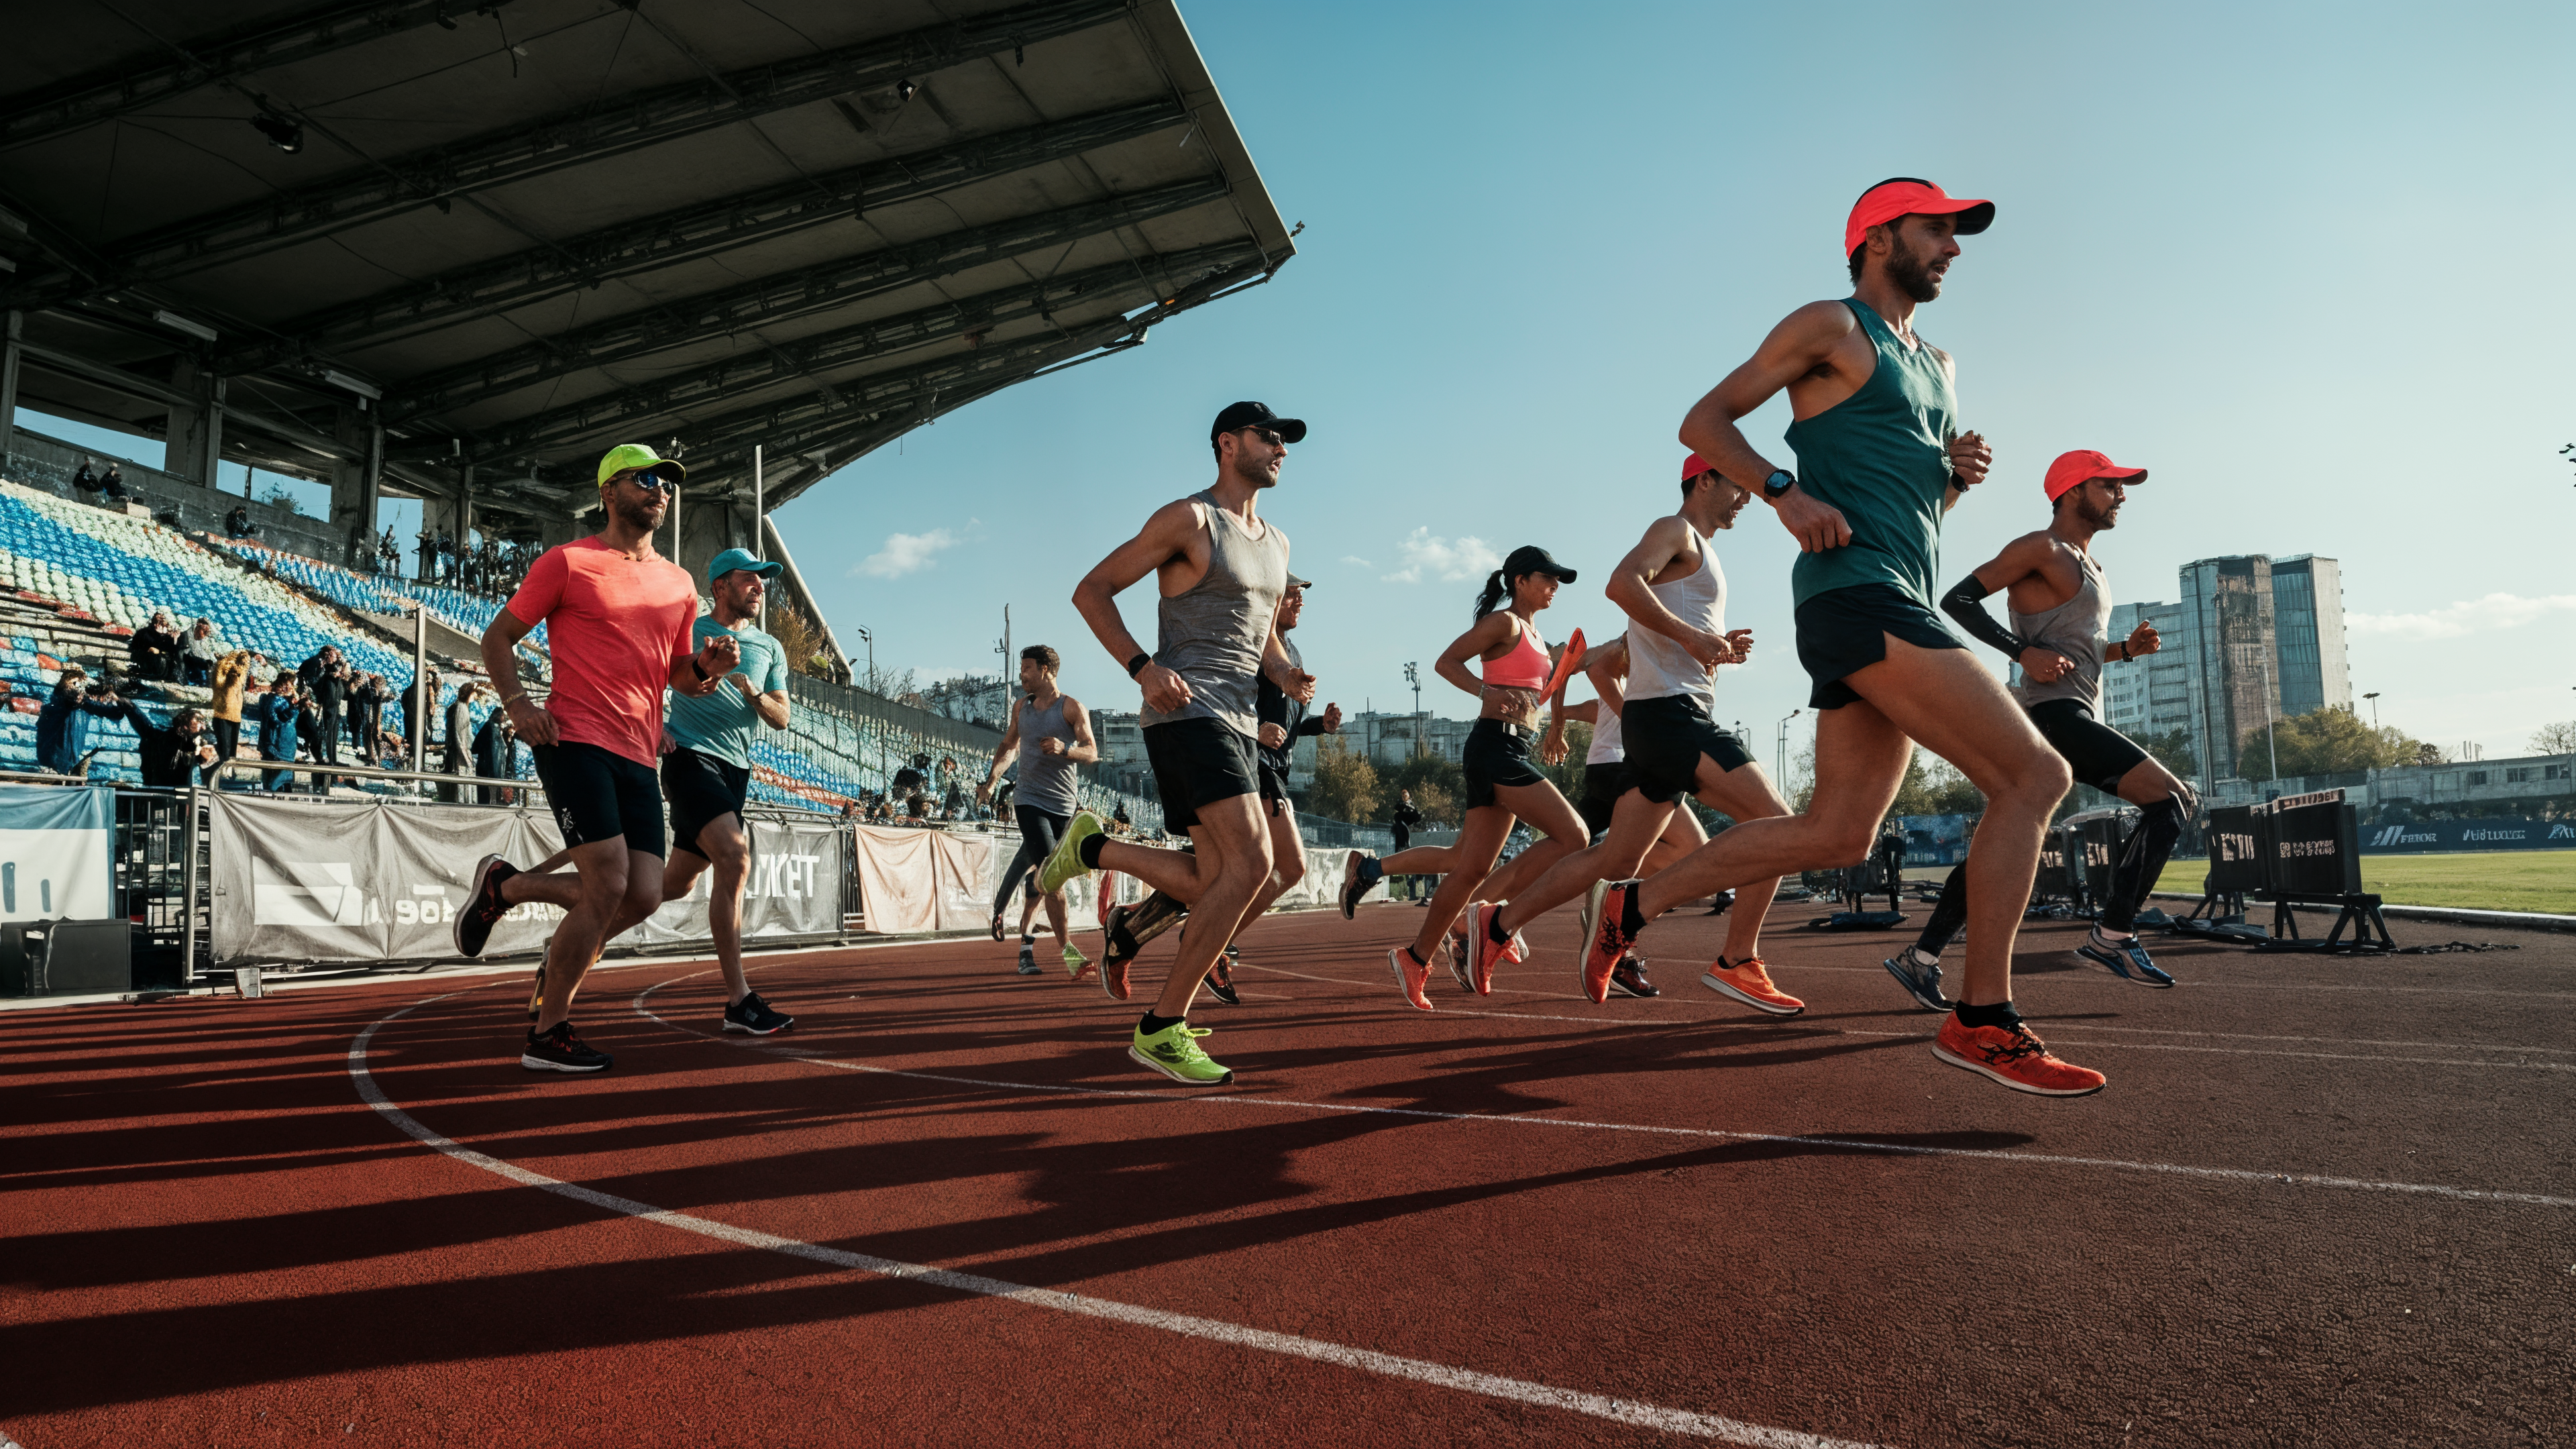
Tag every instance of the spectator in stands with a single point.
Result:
(198, 654)
(279, 718)
(237, 523)
(308, 733)
(420, 702)
(231, 679)
(327, 682)
(62, 726)
(460, 739)
(1119, 824)
(367, 716)
(388, 553)
(496, 757)
(171, 757)
(1403, 818)
(112, 484)
(85, 483)
(155, 648)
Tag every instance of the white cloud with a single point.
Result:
(907, 553)
(1441, 558)
(1352, 558)
(2470, 616)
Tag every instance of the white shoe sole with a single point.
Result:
(1981, 1069)
(732, 1025)
(1142, 1060)
(540, 1064)
(1723, 987)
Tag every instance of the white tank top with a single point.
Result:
(1659, 668)
(1606, 747)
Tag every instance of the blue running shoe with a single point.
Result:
(2127, 959)
(1921, 982)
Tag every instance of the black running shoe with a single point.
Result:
(561, 1051)
(756, 1016)
(1628, 978)
(1364, 873)
(1029, 962)
(483, 907)
(2127, 959)
(1921, 982)
(1717, 905)
(1233, 952)
(1220, 982)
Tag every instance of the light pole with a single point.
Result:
(2269, 743)
(1413, 677)
(1784, 746)
(2373, 697)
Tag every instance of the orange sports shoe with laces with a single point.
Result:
(1749, 981)
(2015, 1057)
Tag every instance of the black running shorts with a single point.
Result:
(1274, 784)
(2099, 754)
(1665, 738)
(1603, 784)
(1497, 754)
(598, 795)
(1196, 763)
(702, 789)
(1843, 631)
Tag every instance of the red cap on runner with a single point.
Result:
(2083, 465)
(1907, 196)
(1694, 465)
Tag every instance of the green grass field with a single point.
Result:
(2500, 880)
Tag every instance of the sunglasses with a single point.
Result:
(652, 482)
(1267, 435)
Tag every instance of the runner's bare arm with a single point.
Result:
(1294, 682)
(698, 675)
(1608, 671)
(2021, 559)
(1665, 541)
(1086, 750)
(1494, 631)
(771, 707)
(1168, 533)
(1010, 741)
(501, 661)
(1803, 345)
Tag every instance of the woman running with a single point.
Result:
(1503, 780)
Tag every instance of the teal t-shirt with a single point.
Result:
(723, 723)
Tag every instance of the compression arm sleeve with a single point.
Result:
(1311, 725)
(1966, 603)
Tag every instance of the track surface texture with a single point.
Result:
(2325, 1200)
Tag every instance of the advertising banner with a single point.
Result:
(54, 853)
(2431, 835)
(1934, 839)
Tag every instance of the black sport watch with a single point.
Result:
(1780, 482)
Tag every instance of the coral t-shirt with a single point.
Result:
(614, 625)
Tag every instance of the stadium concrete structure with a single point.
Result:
(2253, 638)
(453, 252)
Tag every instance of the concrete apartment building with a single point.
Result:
(2252, 639)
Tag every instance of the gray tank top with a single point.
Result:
(1045, 782)
(1214, 632)
(2075, 629)
(1658, 668)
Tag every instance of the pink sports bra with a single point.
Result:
(1525, 667)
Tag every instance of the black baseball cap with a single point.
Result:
(1529, 558)
(1257, 415)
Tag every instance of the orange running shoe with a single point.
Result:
(1412, 975)
(1749, 981)
(1483, 951)
(2013, 1056)
(1611, 939)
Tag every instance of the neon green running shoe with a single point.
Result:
(1066, 863)
(1174, 1051)
(1075, 963)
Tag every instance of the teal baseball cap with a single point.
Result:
(740, 558)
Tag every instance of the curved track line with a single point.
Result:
(1847, 1144)
(1624, 1411)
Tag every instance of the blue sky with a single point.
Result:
(2297, 261)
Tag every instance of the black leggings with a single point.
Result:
(1039, 832)
(2133, 877)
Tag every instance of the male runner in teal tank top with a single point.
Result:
(1881, 462)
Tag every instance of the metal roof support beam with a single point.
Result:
(118, 90)
(646, 243)
(783, 298)
(1164, 276)
(591, 133)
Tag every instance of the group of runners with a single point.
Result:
(1881, 461)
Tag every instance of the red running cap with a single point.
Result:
(1906, 196)
(2084, 465)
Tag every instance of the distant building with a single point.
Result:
(983, 699)
(1391, 739)
(2254, 639)
(1121, 740)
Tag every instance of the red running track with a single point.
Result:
(2323, 1201)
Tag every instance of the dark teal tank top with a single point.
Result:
(1882, 456)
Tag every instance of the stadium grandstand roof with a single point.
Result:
(391, 238)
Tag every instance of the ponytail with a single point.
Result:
(1497, 589)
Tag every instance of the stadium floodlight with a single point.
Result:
(177, 323)
(285, 135)
(358, 385)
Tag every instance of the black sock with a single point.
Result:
(1089, 850)
(1494, 928)
(2000, 1014)
(1027, 940)
(1631, 919)
(1152, 1023)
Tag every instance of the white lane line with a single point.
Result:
(2054, 1039)
(1493, 1386)
(1851, 1144)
